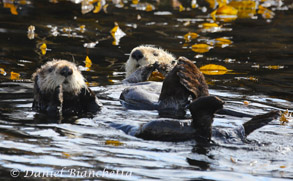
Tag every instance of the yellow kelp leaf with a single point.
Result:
(22, 2)
(215, 3)
(209, 25)
(149, 7)
(43, 48)
(190, 36)
(67, 30)
(212, 69)
(114, 30)
(227, 10)
(246, 8)
(225, 13)
(266, 13)
(113, 142)
(14, 76)
(117, 34)
(253, 78)
(105, 8)
(233, 160)
(135, 1)
(246, 102)
(12, 8)
(285, 117)
(181, 8)
(156, 76)
(88, 63)
(200, 48)
(2, 71)
(213, 15)
(98, 7)
(193, 4)
(223, 41)
(66, 155)
(82, 28)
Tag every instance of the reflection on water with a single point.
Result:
(243, 47)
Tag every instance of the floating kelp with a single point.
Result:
(212, 69)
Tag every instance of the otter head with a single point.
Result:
(145, 55)
(59, 73)
(202, 111)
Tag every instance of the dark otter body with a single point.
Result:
(200, 129)
(59, 88)
(56, 102)
(182, 84)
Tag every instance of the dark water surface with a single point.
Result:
(259, 58)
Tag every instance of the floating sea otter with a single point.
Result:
(146, 55)
(59, 87)
(200, 129)
(183, 83)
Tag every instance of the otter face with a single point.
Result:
(59, 73)
(145, 55)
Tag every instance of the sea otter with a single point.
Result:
(59, 87)
(146, 55)
(200, 128)
(183, 83)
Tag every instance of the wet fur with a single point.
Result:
(56, 94)
(151, 55)
(183, 81)
(48, 77)
(200, 129)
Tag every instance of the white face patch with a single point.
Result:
(50, 76)
(146, 55)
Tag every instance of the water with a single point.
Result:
(259, 57)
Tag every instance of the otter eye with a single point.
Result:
(50, 69)
(155, 54)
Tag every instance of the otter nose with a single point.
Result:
(137, 55)
(66, 71)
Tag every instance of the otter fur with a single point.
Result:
(200, 128)
(59, 87)
(183, 83)
(146, 55)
